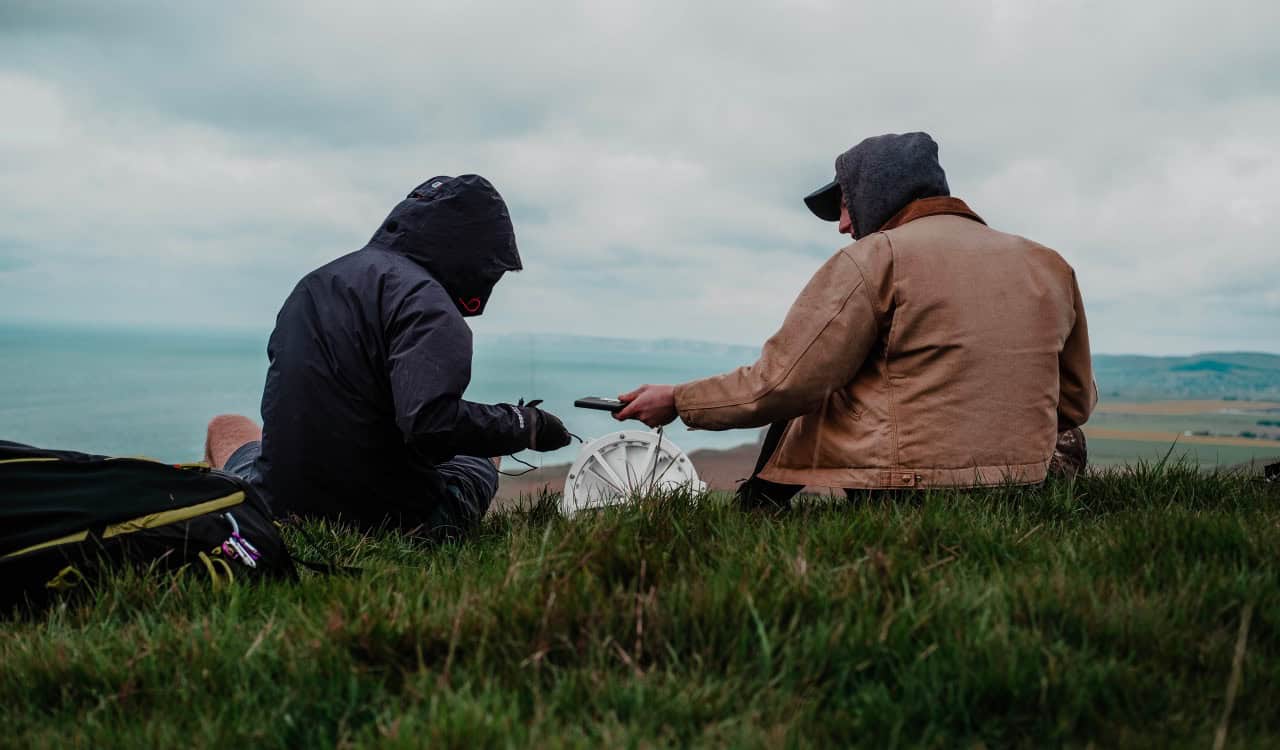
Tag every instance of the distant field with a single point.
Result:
(1171, 437)
(1111, 452)
(1200, 406)
(1217, 424)
(1122, 432)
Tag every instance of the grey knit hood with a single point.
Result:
(881, 175)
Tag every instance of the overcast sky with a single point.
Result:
(183, 164)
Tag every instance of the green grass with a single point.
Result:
(1105, 612)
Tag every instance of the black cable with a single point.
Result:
(519, 460)
(534, 403)
(519, 473)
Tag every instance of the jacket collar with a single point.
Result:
(918, 209)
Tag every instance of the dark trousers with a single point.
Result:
(454, 496)
(470, 486)
(757, 493)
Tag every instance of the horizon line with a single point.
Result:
(244, 332)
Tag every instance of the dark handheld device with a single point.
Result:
(611, 405)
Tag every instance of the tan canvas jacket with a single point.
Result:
(935, 352)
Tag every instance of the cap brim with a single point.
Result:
(825, 201)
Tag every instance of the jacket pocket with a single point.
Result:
(846, 404)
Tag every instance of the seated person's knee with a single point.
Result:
(226, 433)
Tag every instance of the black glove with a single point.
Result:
(546, 431)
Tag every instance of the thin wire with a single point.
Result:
(657, 456)
(531, 468)
(518, 473)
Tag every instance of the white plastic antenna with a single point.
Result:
(622, 466)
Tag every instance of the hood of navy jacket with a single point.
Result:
(459, 229)
(881, 175)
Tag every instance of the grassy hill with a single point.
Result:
(1237, 375)
(1117, 610)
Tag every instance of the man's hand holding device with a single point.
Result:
(655, 405)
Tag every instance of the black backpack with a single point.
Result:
(67, 517)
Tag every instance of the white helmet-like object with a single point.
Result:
(623, 466)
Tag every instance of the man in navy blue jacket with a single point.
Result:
(363, 415)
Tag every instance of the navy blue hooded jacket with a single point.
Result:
(370, 356)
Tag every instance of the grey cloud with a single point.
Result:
(244, 72)
(653, 154)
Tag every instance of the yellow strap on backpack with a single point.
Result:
(67, 578)
(213, 570)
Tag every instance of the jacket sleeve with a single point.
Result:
(429, 365)
(821, 346)
(1077, 392)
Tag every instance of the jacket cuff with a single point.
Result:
(684, 394)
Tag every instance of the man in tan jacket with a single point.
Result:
(932, 352)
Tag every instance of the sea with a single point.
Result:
(136, 392)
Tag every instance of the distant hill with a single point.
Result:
(1253, 376)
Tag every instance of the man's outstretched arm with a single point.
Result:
(429, 352)
(821, 346)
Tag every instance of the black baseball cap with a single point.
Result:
(825, 201)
